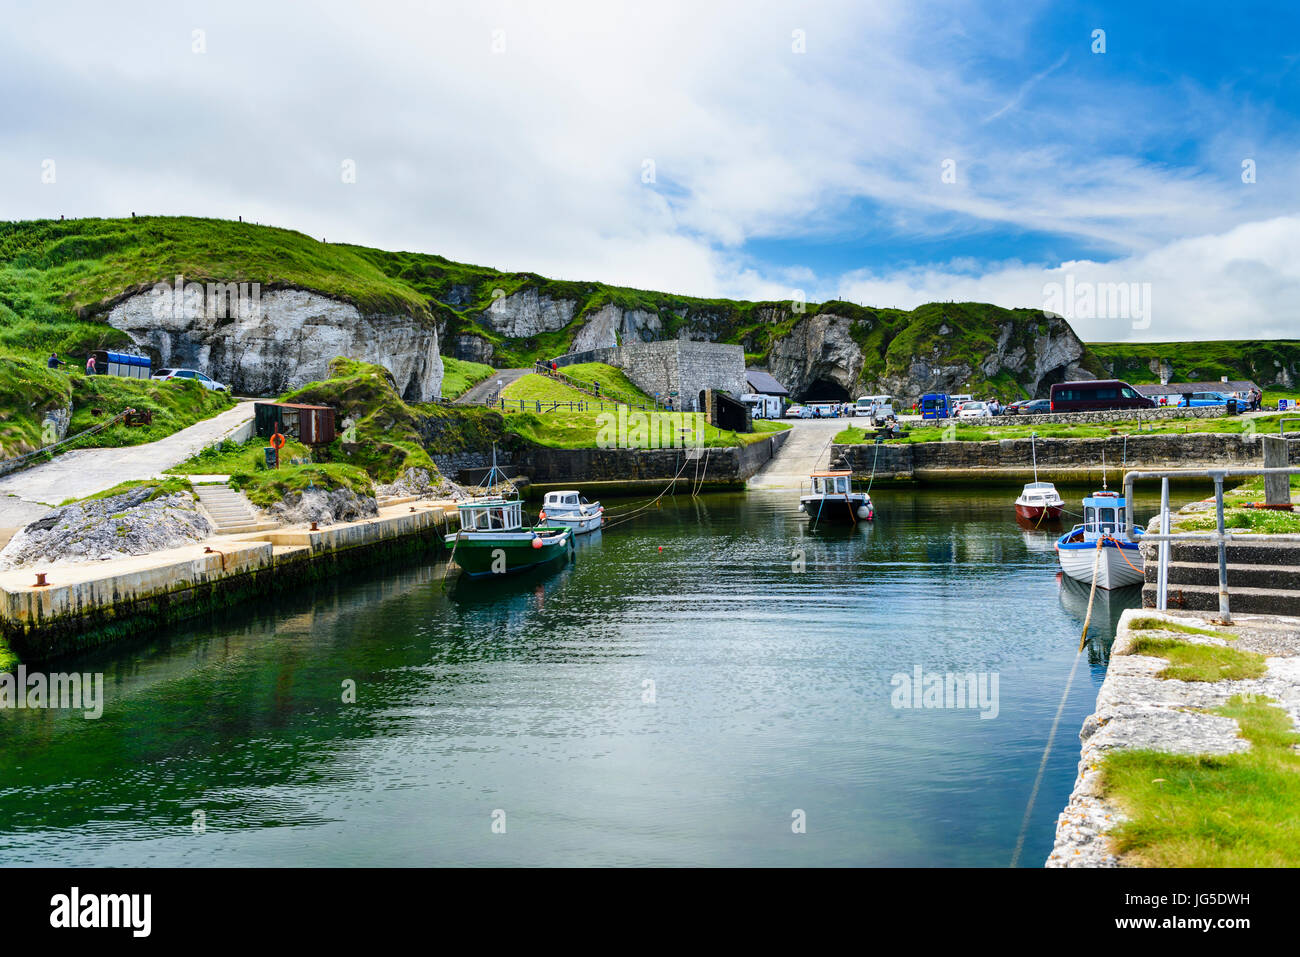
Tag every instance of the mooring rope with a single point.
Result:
(1056, 721)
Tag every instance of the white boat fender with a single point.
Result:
(864, 512)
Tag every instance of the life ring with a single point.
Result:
(277, 441)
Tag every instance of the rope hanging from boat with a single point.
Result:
(873, 467)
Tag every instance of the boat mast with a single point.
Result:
(1034, 452)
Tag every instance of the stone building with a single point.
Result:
(675, 370)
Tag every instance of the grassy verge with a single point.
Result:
(988, 433)
(458, 376)
(1236, 810)
(160, 488)
(1190, 662)
(266, 487)
(565, 428)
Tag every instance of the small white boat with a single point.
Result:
(831, 499)
(1039, 501)
(572, 511)
(1120, 563)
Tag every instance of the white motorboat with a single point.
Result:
(1104, 529)
(573, 511)
(831, 498)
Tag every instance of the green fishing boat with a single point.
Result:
(492, 539)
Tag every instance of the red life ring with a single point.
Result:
(277, 441)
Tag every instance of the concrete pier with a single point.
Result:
(89, 604)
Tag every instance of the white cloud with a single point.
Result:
(532, 158)
(1239, 284)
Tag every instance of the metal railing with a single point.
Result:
(1219, 536)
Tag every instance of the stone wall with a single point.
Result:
(545, 466)
(675, 365)
(1057, 458)
(1086, 418)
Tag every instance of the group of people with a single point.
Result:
(53, 362)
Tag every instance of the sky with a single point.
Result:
(1135, 166)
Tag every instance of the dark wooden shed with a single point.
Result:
(309, 424)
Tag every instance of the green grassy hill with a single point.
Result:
(1271, 363)
(57, 278)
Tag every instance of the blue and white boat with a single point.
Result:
(1103, 520)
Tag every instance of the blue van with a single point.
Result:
(935, 405)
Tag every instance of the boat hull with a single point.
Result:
(1119, 565)
(837, 508)
(481, 556)
(1037, 513)
(578, 524)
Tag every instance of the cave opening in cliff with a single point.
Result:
(824, 390)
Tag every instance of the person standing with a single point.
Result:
(54, 361)
(90, 365)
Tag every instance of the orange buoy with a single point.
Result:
(537, 543)
(661, 548)
(541, 516)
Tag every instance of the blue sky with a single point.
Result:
(763, 149)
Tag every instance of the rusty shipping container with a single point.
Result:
(309, 424)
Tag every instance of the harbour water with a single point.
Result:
(709, 683)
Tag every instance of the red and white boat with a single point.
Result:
(1039, 501)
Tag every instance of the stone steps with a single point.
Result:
(1239, 575)
(1244, 601)
(230, 511)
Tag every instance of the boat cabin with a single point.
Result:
(490, 515)
(563, 500)
(832, 483)
(1040, 492)
(1103, 515)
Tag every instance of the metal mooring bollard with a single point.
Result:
(314, 528)
(40, 580)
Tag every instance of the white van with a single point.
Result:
(763, 406)
(877, 407)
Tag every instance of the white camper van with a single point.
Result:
(763, 406)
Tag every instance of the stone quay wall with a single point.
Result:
(1063, 459)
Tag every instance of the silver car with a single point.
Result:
(206, 381)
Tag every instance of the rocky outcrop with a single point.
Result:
(285, 341)
(323, 507)
(826, 349)
(611, 325)
(527, 313)
(128, 524)
(819, 348)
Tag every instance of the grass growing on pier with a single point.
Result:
(1189, 662)
(1160, 624)
(458, 375)
(1235, 810)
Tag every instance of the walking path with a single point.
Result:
(26, 495)
(482, 391)
(807, 448)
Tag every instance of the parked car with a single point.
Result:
(795, 412)
(1035, 407)
(206, 381)
(974, 410)
(1195, 399)
(1015, 408)
(1097, 395)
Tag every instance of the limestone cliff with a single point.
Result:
(286, 341)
